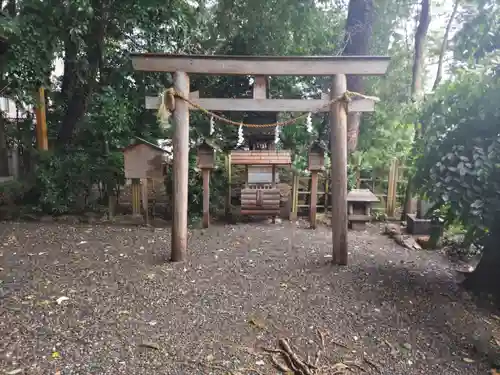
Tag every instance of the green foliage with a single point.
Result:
(75, 181)
(12, 192)
(459, 171)
(480, 32)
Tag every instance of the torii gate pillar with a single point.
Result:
(338, 144)
(180, 168)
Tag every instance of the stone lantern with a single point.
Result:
(359, 204)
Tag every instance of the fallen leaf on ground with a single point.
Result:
(14, 372)
(61, 299)
(256, 323)
(339, 366)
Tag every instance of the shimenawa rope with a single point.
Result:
(167, 106)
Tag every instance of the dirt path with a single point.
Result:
(244, 287)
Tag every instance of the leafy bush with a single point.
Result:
(12, 192)
(74, 182)
(459, 170)
(218, 187)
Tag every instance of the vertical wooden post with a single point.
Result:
(391, 186)
(41, 121)
(327, 185)
(136, 196)
(246, 176)
(293, 196)
(338, 131)
(313, 202)
(228, 196)
(206, 197)
(273, 176)
(144, 198)
(180, 169)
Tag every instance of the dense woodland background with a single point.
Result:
(438, 114)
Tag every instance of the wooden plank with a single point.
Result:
(253, 203)
(260, 162)
(261, 65)
(180, 168)
(259, 212)
(338, 131)
(259, 88)
(267, 105)
(261, 207)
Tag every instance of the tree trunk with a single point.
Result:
(77, 91)
(416, 92)
(444, 46)
(358, 31)
(419, 55)
(4, 151)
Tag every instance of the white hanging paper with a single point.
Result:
(212, 125)
(240, 136)
(309, 123)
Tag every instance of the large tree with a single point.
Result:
(358, 31)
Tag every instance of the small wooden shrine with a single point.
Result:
(143, 161)
(316, 163)
(359, 204)
(206, 162)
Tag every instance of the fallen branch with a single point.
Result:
(353, 364)
(372, 364)
(321, 349)
(279, 366)
(339, 344)
(301, 366)
(286, 356)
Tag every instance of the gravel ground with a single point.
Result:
(127, 311)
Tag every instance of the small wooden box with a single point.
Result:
(206, 156)
(316, 158)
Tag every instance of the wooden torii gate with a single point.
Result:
(262, 66)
